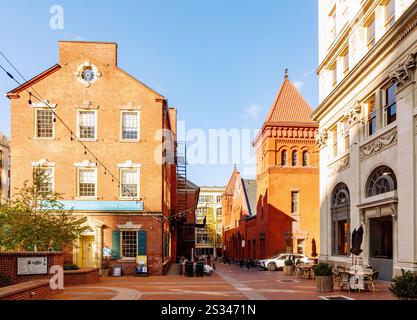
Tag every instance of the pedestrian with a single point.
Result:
(241, 263)
(209, 259)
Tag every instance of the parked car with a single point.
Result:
(277, 261)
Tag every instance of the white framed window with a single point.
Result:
(47, 185)
(44, 123)
(87, 182)
(129, 244)
(389, 13)
(130, 123)
(332, 25)
(87, 124)
(129, 178)
(370, 32)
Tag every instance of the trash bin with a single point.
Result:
(189, 269)
(199, 269)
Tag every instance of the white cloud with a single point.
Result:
(298, 84)
(253, 112)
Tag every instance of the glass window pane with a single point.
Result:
(87, 124)
(130, 125)
(129, 244)
(44, 123)
(130, 183)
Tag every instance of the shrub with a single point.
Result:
(288, 263)
(71, 267)
(5, 280)
(322, 270)
(405, 286)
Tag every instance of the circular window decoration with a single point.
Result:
(87, 74)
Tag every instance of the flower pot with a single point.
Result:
(105, 272)
(288, 270)
(324, 284)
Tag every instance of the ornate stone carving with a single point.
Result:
(378, 144)
(404, 73)
(322, 138)
(354, 114)
(129, 225)
(340, 165)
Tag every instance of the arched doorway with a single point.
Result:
(340, 217)
(382, 180)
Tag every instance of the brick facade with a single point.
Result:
(113, 91)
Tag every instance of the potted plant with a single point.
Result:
(323, 275)
(288, 267)
(404, 286)
(105, 268)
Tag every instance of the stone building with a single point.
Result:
(367, 136)
(126, 193)
(4, 169)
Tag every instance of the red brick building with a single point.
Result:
(287, 215)
(127, 192)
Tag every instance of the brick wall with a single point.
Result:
(82, 276)
(8, 264)
(32, 290)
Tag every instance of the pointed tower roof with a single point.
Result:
(289, 105)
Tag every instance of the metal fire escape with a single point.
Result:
(182, 185)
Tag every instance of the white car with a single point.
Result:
(278, 261)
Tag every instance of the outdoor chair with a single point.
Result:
(370, 280)
(344, 280)
(336, 277)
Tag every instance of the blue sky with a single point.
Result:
(219, 62)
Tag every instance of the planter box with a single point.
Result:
(324, 284)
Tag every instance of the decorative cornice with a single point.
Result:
(86, 164)
(379, 143)
(130, 226)
(43, 104)
(354, 114)
(88, 105)
(322, 138)
(129, 164)
(404, 74)
(340, 165)
(43, 163)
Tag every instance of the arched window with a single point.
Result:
(340, 196)
(305, 158)
(381, 180)
(340, 210)
(294, 158)
(284, 157)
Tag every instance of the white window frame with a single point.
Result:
(121, 182)
(36, 124)
(95, 125)
(121, 125)
(52, 176)
(78, 182)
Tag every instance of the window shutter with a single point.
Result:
(141, 243)
(115, 240)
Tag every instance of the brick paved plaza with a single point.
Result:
(228, 283)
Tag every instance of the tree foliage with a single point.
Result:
(35, 220)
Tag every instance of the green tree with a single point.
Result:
(35, 220)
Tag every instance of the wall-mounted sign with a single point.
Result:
(32, 265)
(79, 205)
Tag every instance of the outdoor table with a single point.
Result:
(358, 275)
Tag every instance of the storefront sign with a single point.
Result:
(32, 265)
(103, 205)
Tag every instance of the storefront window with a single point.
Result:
(381, 238)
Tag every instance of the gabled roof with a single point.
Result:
(289, 106)
(250, 193)
(34, 80)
